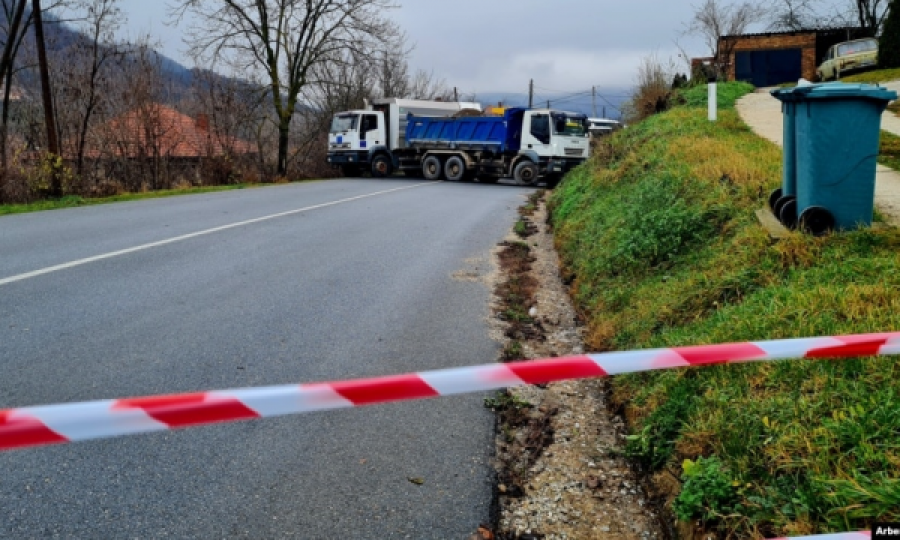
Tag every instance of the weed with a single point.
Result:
(708, 492)
(504, 400)
(512, 351)
(889, 151)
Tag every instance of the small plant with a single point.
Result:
(505, 400)
(521, 228)
(707, 493)
(512, 351)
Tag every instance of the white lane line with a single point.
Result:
(95, 258)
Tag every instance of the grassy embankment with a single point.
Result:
(71, 201)
(658, 235)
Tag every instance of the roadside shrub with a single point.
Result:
(653, 90)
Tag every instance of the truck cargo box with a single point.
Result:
(485, 133)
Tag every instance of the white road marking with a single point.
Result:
(95, 258)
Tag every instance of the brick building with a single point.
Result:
(779, 57)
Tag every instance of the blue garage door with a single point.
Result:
(768, 68)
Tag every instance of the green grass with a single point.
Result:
(71, 201)
(874, 76)
(658, 237)
(889, 153)
(698, 96)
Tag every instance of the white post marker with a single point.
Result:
(713, 101)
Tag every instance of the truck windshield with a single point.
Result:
(344, 122)
(567, 124)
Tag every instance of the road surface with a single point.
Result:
(294, 283)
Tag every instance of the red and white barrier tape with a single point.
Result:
(70, 422)
(862, 535)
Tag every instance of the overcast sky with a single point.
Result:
(483, 46)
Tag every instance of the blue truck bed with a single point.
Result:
(487, 133)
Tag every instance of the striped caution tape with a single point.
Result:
(862, 535)
(70, 422)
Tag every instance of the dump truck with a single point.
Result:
(530, 145)
(363, 140)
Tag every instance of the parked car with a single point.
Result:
(843, 58)
(602, 126)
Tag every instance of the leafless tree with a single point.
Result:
(232, 113)
(870, 14)
(46, 93)
(83, 80)
(286, 39)
(792, 15)
(14, 30)
(795, 15)
(714, 19)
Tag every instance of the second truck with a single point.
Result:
(454, 141)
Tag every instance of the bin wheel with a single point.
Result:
(779, 204)
(455, 169)
(773, 198)
(431, 168)
(788, 213)
(816, 221)
(382, 166)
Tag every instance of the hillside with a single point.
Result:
(659, 240)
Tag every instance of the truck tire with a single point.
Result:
(382, 166)
(526, 173)
(455, 169)
(431, 168)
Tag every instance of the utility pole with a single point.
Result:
(531, 93)
(52, 140)
(455, 95)
(604, 111)
(548, 103)
(594, 100)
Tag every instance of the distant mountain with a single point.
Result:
(610, 99)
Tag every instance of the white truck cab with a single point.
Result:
(555, 140)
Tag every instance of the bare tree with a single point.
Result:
(870, 14)
(83, 79)
(286, 39)
(15, 29)
(713, 20)
(795, 15)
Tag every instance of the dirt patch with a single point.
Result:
(559, 449)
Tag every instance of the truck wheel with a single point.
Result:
(526, 173)
(455, 169)
(382, 166)
(431, 168)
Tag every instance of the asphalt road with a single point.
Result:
(358, 284)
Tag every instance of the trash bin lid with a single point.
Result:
(835, 90)
(786, 95)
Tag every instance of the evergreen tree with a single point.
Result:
(889, 45)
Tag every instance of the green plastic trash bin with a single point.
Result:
(837, 133)
(786, 195)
